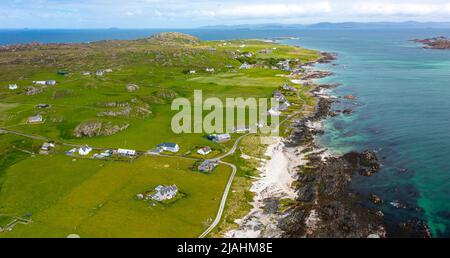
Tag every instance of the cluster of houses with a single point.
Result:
(285, 65)
(284, 104)
(161, 193)
(86, 150)
(14, 86)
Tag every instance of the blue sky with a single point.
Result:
(194, 13)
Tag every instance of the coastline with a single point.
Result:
(322, 205)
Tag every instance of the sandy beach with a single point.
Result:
(277, 174)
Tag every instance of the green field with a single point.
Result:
(62, 195)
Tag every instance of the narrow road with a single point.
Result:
(218, 159)
(227, 188)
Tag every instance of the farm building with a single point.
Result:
(125, 152)
(219, 137)
(168, 146)
(204, 151)
(35, 119)
(210, 70)
(13, 87)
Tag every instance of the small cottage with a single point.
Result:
(13, 87)
(207, 166)
(169, 146)
(163, 193)
(85, 150)
(204, 151)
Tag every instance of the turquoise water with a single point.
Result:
(402, 111)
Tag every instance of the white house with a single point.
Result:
(204, 151)
(47, 146)
(219, 137)
(85, 150)
(50, 82)
(164, 192)
(192, 72)
(274, 112)
(245, 66)
(86, 73)
(40, 82)
(168, 146)
(13, 87)
(126, 152)
(210, 70)
(35, 119)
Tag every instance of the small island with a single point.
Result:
(435, 43)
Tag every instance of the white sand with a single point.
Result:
(277, 175)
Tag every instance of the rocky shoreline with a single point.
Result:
(327, 207)
(434, 43)
(324, 206)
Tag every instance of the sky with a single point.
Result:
(197, 13)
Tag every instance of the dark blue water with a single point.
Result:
(403, 106)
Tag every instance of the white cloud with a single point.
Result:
(393, 9)
(274, 10)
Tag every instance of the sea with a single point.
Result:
(402, 110)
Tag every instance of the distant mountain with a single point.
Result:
(342, 25)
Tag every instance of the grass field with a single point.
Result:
(94, 198)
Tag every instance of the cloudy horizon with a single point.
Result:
(196, 13)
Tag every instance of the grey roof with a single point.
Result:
(168, 145)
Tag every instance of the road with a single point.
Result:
(227, 188)
(218, 159)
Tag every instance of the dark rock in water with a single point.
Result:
(347, 112)
(327, 57)
(375, 199)
(414, 229)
